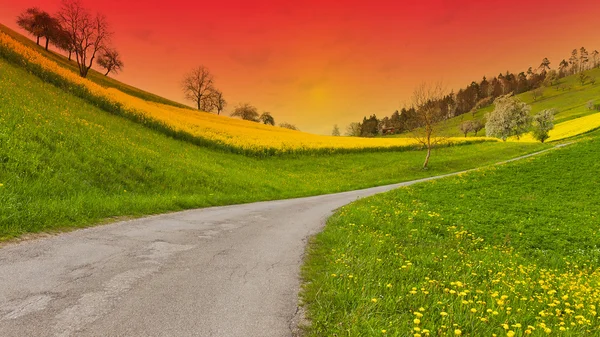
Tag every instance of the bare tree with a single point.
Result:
(111, 61)
(246, 112)
(89, 34)
(335, 131)
(426, 100)
(218, 102)
(267, 119)
(197, 86)
(353, 130)
(477, 126)
(465, 127)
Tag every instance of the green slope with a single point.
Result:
(506, 251)
(568, 96)
(65, 163)
(93, 75)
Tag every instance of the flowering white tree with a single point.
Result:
(543, 122)
(511, 117)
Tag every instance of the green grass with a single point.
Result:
(93, 75)
(570, 103)
(65, 163)
(516, 244)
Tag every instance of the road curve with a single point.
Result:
(221, 271)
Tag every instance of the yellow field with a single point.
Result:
(568, 129)
(224, 130)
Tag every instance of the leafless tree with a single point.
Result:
(197, 86)
(426, 100)
(110, 60)
(353, 130)
(89, 34)
(217, 100)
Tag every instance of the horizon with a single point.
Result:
(305, 69)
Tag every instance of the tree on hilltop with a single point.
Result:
(88, 33)
(246, 112)
(574, 61)
(197, 86)
(335, 131)
(595, 62)
(288, 126)
(562, 67)
(583, 59)
(111, 61)
(353, 130)
(39, 23)
(266, 118)
(545, 65)
(62, 40)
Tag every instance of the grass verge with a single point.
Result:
(510, 250)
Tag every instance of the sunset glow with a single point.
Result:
(315, 63)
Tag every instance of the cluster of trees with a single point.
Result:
(75, 30)
(512, 118)
(249, 112)
(480, 94)
(199, 86)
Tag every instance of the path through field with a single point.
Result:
(222, 271)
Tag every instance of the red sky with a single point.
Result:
(318, 63)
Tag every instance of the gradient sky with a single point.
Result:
(318, 63)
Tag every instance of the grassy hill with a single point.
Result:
(567, 95)
(93, 75)
(504, 251)
(66, 163)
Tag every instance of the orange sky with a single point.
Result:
(318, 63)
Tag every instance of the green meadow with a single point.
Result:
(65, 163)
(510, 250)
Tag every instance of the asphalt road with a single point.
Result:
(221, 271)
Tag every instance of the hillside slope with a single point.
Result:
(66, 163)
(567, 95)
(93, 75)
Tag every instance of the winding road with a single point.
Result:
(221, 271)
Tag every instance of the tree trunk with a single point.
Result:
(38, 41)
(47, 41)
(108, 71)
(427, 157)
(70, 52)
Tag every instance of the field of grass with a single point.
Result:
(197, 127)
(510, 250)
(93, 75)
(570, 99)
(65, 163)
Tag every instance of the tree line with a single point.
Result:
(480, 94)
(74, 30)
